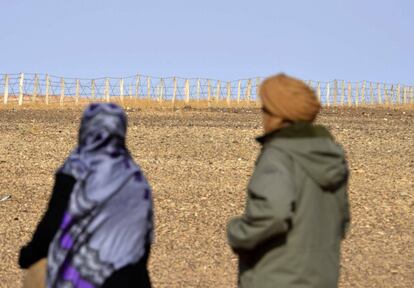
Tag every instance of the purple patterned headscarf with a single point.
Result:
(108, 223)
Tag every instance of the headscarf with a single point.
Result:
(285, 100)
(108, 222)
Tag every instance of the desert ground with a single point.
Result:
(198, 163)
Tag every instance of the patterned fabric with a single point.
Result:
(108, 222)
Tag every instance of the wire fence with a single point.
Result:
(35, 88)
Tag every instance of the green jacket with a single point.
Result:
(296, 213)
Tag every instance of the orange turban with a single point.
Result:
(286, 99)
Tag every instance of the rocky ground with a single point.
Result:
(198, 163)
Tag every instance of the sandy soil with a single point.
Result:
(198, 163)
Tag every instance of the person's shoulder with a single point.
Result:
(273, 159)
(273, 156)
(63, 185)
(65, 178)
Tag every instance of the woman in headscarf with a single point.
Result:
(297, 207)
(98, 228)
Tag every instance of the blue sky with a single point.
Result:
(318, 40)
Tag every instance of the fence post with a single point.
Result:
(35, 87)
(404, 95)
(21, 85)
(93, 88)
(318, 91)
(208, 91)
(149, 87)
(412, 94)
(392, 95)
(328, 88)
(6, 89)
(407, 96)
(130, 91)
(157, 92)
(198, 89)
(386, 94)
(364, 83)
(137, 87)
(379, 96)
(343, 92)
(163, 89)
(257, 87)
(174, 90)
(187, 91)
(335, 100)
(121, 90)
(218, 90)
(161, 93)
(77, 92)
(249, 95)
(62, 90)
(371, 93)
(349, 94)
(228, 93)
(107, 89)
(47, 89)
(249, 90)
(399, 93)
(238, 91)
(356, 94)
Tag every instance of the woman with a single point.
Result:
(98, 228)
(297, 208)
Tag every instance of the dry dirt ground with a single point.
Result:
(198, 163)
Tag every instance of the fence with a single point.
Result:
(34, 88)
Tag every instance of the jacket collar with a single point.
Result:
(296, 130)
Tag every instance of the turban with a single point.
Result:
(285, 100)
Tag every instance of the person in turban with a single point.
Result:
(98, 228)
(297, 209)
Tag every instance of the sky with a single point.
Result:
(314, 40)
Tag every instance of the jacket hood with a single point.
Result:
(315, 150)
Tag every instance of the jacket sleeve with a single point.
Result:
(346, 213)
(38, 247)
(347, 218)
(270, 203)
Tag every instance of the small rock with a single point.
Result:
(4, 198)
